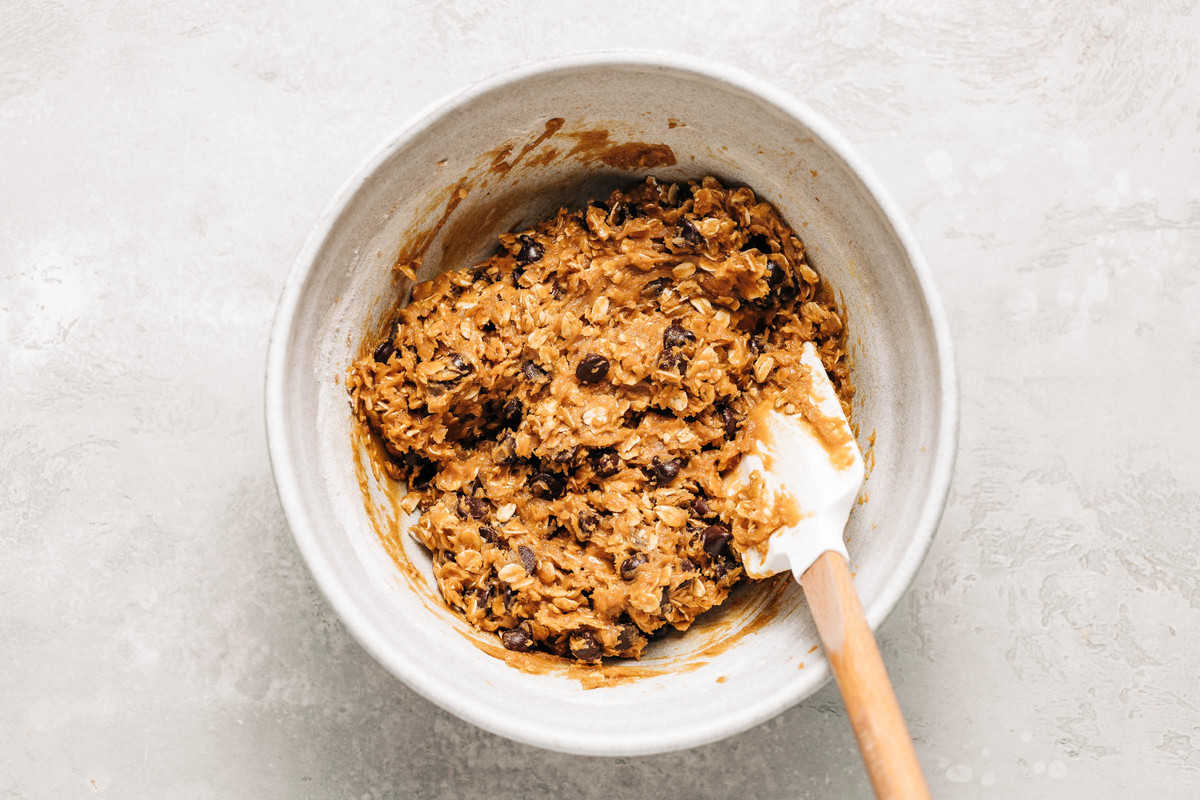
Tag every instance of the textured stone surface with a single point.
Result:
(162, 165)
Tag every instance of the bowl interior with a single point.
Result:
(498, 157)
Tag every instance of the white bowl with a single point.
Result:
(716, 121)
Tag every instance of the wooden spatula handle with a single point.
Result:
(871, 704)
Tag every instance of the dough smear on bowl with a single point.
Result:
(565, 411)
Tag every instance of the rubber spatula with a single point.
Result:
(812, 464)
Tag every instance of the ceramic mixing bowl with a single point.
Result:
(508, 152)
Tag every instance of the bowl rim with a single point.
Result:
(339, 596)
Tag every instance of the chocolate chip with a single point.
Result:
(628, 636)
(716, 539)
(424, 476)
(665, 471)
(547, 485)
(588, 522)
(732, 422)
(775, 274)
(617, 215)
(530, 250)
(700, 507)
(569, 459)
(529, 559)
(757, 242)
(592, 368)
(483, 597)
(489, 534)
(755, 345)
(689, 231)
(655, 287)
(675, 335)
(517, 639)
(510, 415)
(781, 290)
(478, 507)
(533, 373)
(422, 470)
(629, 566)
(384, 351)
(584, 646)
(687, 565)
(605, 462)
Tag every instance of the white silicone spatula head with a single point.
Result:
(811, 461)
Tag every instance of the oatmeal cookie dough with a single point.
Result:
(565, 411)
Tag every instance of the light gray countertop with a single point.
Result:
(162, 165)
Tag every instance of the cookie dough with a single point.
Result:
(565, 412)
